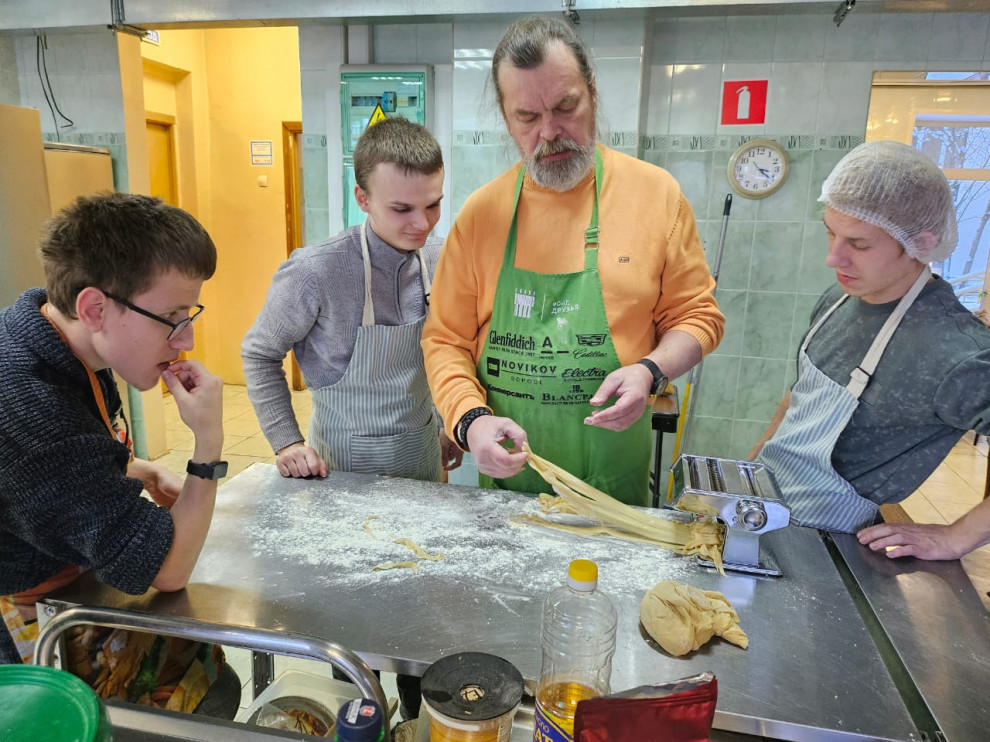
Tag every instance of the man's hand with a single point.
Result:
(450, 454)
(631, 387)
(931, 541)
(198, 396)
(163, 485)
(299, 460)
(485, 437)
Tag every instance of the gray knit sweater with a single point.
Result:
(64, 496)
(314, 308)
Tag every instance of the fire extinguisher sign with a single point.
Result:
(744, 102)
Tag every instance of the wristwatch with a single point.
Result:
(214, 471)
(659, 378)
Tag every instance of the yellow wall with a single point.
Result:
(234, 86)
(257, 71)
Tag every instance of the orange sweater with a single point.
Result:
(652, 265)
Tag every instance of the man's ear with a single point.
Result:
(91, 308)
(361, 196)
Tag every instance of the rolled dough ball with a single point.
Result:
(681, 618)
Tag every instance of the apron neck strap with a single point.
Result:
(94, 383)
(590, 234)
(368, 315)
(861, 375)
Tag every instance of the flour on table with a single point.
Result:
(331, 532)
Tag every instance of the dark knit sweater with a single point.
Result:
(64, 496)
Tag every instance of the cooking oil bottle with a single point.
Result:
(578, 644)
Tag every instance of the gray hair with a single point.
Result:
(526, 42)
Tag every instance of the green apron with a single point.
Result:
(547, 351)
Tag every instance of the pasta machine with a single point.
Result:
(741, 494)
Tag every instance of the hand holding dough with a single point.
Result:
(681, 618)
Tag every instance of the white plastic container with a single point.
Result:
(330, 693)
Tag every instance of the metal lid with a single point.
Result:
(472, 686)
(44, 703)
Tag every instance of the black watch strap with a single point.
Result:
(460, 432)
(215, 470)
(659, 378)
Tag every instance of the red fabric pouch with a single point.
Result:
(667, 713)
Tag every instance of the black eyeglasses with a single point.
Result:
(177, 327)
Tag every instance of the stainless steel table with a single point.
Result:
(297, 555)
(935, 627)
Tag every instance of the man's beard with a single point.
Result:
(560, 175)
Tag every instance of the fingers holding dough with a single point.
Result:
(682, 618)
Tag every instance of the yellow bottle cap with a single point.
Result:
(583, 574)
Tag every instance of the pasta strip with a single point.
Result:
(418, 550)
(414, 566)
(703, 537)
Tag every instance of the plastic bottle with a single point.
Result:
(578, 644)
(360, 720)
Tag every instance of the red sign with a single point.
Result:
(744, 102)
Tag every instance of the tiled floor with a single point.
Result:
(955, 487)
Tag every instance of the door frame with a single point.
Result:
(294, 238)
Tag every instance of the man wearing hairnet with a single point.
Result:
(893, 370)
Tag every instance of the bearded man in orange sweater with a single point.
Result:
(575, 278)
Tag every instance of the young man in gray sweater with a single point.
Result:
(352, 310)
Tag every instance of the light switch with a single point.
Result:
(262, 181)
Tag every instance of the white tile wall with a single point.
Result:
(903, 37)
(792, 99)
(854, 39)
(699, 39)
(658, 96)
(477, 39)
(748, 38)
(609, 38)
(618, 98)
(694, 98)
(664, 41)
(845, 97)
(84, 72)
(955, 36)
(800, 38)
(472, 108)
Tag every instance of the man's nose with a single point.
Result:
(836, 256)
(419, 220)
(549, 128)
(185, 339)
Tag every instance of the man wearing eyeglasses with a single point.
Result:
(123, 277)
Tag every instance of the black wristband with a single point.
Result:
(460, 432)
(659, 378)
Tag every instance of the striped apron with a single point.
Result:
(800, 451)
(379, 418)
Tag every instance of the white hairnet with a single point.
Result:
(901, 191)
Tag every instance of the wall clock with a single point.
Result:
(757, 168)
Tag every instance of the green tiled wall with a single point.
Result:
(770, 276)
